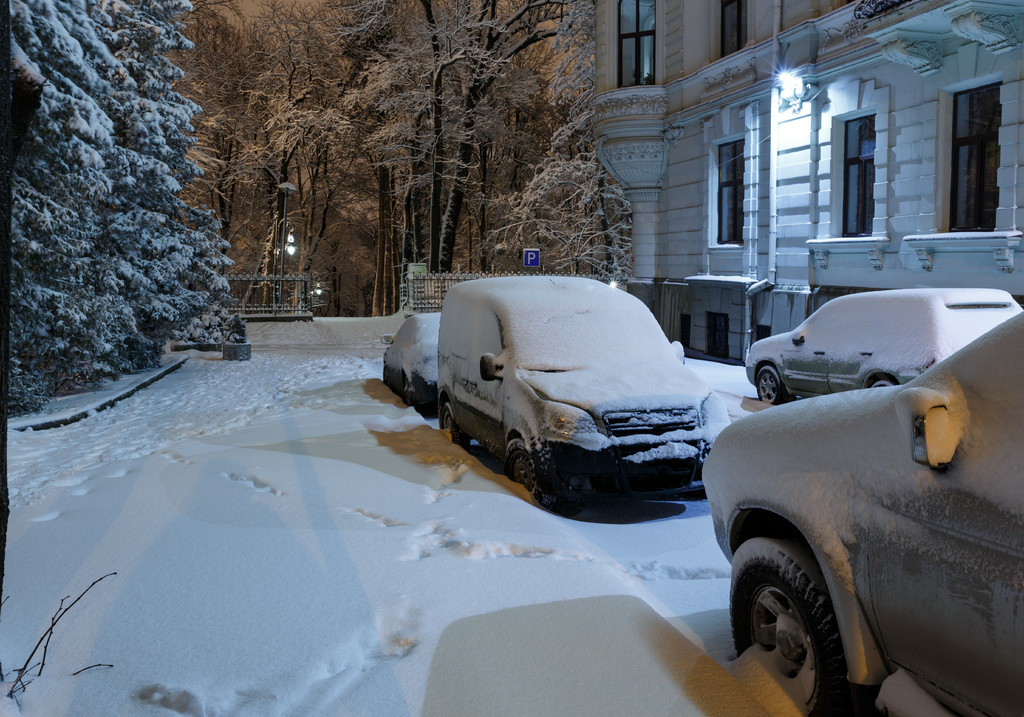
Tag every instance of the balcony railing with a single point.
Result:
(867, 9)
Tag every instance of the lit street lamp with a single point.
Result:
(285, 188)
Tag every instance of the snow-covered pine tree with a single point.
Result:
(59, 326)
(162, 252)
(106, 259)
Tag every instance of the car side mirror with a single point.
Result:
(798, 340)
(679, 351)
(387, 339)
(933, 419)
(935, 438)
(490, 369)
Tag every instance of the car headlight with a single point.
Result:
(568, 422)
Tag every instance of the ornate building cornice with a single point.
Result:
(850, 31)
(721, 82)
(637, 103)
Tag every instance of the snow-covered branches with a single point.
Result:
(571, 209)
(107, 259)
(576, 217)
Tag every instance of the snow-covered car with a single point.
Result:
(410, 361)
(875, 338)
(573, 385)
(878, 531)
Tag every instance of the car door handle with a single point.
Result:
(865, 353)
(819, 353)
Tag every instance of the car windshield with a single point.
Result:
(560, 341)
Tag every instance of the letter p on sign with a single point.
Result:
(531, 257)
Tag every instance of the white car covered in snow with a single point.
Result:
(878, 531)
(875, 338)
(573, 385)
(410, 361)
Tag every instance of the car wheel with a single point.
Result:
(446, 419)
(770, 387)
(406, 389)
(780, 602)
(521, 467)
(882, 381)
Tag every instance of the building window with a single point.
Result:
(734, 26)
(684, 329)
(977, 115)
(859, 177)
(636, 42)
(730, 193)
(718, 335)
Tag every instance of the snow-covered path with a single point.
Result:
(290, 539)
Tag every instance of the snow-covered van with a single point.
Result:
(875, 338)
(573, 384)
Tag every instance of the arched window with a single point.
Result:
(636, 42)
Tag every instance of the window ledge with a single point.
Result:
(1001, 243)
(731, 280)
(961, 240)
(873, 247)
(855, 243)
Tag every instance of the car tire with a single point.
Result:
(446, 420)
(780, 602)
(406, 389)
(882, 381)
(770, 387)
(521, 467)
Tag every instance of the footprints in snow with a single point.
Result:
(398, 631)
(379, 519)
(258, 485)
(183, 702)
(435, 537)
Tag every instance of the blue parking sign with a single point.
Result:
(531, 257)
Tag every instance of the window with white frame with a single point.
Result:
(730, 192)
(636, 42)
(974, 194)
(859, 176)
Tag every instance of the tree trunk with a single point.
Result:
(6, 162)
(385, 230)
(453, 212)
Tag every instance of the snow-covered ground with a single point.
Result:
(290, 539)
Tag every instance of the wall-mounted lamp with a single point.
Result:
(793, 91)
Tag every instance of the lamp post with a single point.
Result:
(284, 189)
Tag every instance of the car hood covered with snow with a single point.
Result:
(652, 385)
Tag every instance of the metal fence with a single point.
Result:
(285, 295)
(424, 292)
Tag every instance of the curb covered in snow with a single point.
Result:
(119, 390)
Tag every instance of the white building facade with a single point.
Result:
(778, 153)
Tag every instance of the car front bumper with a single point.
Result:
(579, 472)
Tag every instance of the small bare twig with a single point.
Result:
(100, 664)
(19, 683)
